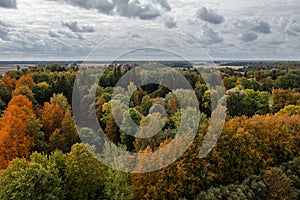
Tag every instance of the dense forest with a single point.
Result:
(256, 158)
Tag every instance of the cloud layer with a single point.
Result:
(72, 28)
(132, 9)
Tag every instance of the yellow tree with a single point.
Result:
(25, 80)
(183, 178)
(26, 91)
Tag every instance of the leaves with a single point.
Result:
(279, 185)
(15, 140)
(37, 179)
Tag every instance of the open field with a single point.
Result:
(3, 70)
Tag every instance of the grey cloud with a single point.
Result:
(275, 42)
(210, 36)
(70, 34)
(258, 26)
(192, 39)
(296, 27)
(103, 6)
(289, 26)
(4, 31)
(210, 16)
(76, 28)
(262, 27)
(3, 34)
(126, 8)
(53, 34)
(293, 29)
(248, 37)
(8, 3)
(171, 23)
(129, 9)
(145, 11)
(134, 36)
(214, 37)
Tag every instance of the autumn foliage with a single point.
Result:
(15, 140)
(257, 155)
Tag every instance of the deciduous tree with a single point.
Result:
(15, 140)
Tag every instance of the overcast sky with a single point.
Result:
(225, 29)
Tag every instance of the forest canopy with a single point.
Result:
(256, 156)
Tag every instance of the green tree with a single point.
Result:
(63, 84)
(252, 188)
(236, 102)
(263, 103)
(117, 185)
(84, 175)
(34, 128)
(247, 102)
(292, 170)
(37, 179)
(146, 105)
(88, 136)
(250, 84)
(61, 101)
(42, 92)
(288, 81)
(127, 139)
(5, 92)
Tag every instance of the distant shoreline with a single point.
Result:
(195, 62)
(220, 64)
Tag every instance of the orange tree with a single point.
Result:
(15, 139)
